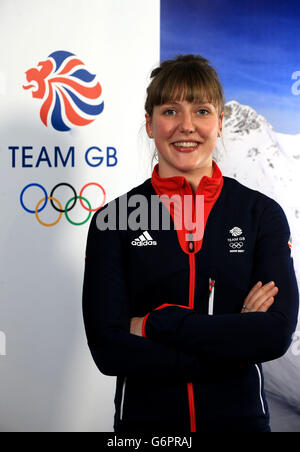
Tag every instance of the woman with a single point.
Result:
(183, 316)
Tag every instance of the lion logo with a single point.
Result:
(236, 231)
(71, 96)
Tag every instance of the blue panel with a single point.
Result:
(252, 44)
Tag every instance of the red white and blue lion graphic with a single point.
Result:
(70, 93)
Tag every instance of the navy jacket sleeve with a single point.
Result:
(251, 337)
(106, 310)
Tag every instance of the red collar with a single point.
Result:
(210, 187)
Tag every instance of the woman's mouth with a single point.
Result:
(185, 146)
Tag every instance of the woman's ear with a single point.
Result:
(220, 124)
(148, 125)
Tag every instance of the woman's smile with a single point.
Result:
(185, 146)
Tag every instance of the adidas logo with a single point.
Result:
(144, 239)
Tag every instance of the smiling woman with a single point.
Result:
(186, 324)
(185, 134)
(184, 114)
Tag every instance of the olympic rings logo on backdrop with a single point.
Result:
(70, 204)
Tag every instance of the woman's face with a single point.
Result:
(185, 135)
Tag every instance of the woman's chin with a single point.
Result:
(187, 165)
(183, 162)
(186, 168)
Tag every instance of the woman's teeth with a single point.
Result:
(186, 144)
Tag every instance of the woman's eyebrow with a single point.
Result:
(171, 103)
(204, 102)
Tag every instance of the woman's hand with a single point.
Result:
(136, 325)
(260, 297)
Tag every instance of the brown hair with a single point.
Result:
(187, 77)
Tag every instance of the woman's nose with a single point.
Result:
(187, 124)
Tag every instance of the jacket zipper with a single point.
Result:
(211, 296)
(191, 248)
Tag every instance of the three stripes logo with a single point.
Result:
(144, 239)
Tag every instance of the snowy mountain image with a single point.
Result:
(251, 151)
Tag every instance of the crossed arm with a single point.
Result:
(259, 299)
(263, 330)
(180, 342)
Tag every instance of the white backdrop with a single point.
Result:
(49, 381)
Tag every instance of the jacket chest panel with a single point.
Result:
(226, 257)
(158, 270)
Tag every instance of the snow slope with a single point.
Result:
(252, 152)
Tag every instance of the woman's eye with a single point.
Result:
(203, 111)
(169, 112)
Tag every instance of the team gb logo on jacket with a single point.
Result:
(71, 95)
(236, 242)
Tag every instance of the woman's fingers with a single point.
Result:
(259, 293)
(253, 290)
(265, 306)
(260, 298)
(265, 301)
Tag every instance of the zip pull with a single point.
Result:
(191, 244)
(211, 296)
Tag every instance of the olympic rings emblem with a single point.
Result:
(70, 204)
(236, 245)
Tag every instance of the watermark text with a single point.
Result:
(136, 212)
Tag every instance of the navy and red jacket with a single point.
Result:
(198, 365)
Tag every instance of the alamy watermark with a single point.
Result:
(135, 213)
(2, 344)
(296, 86)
